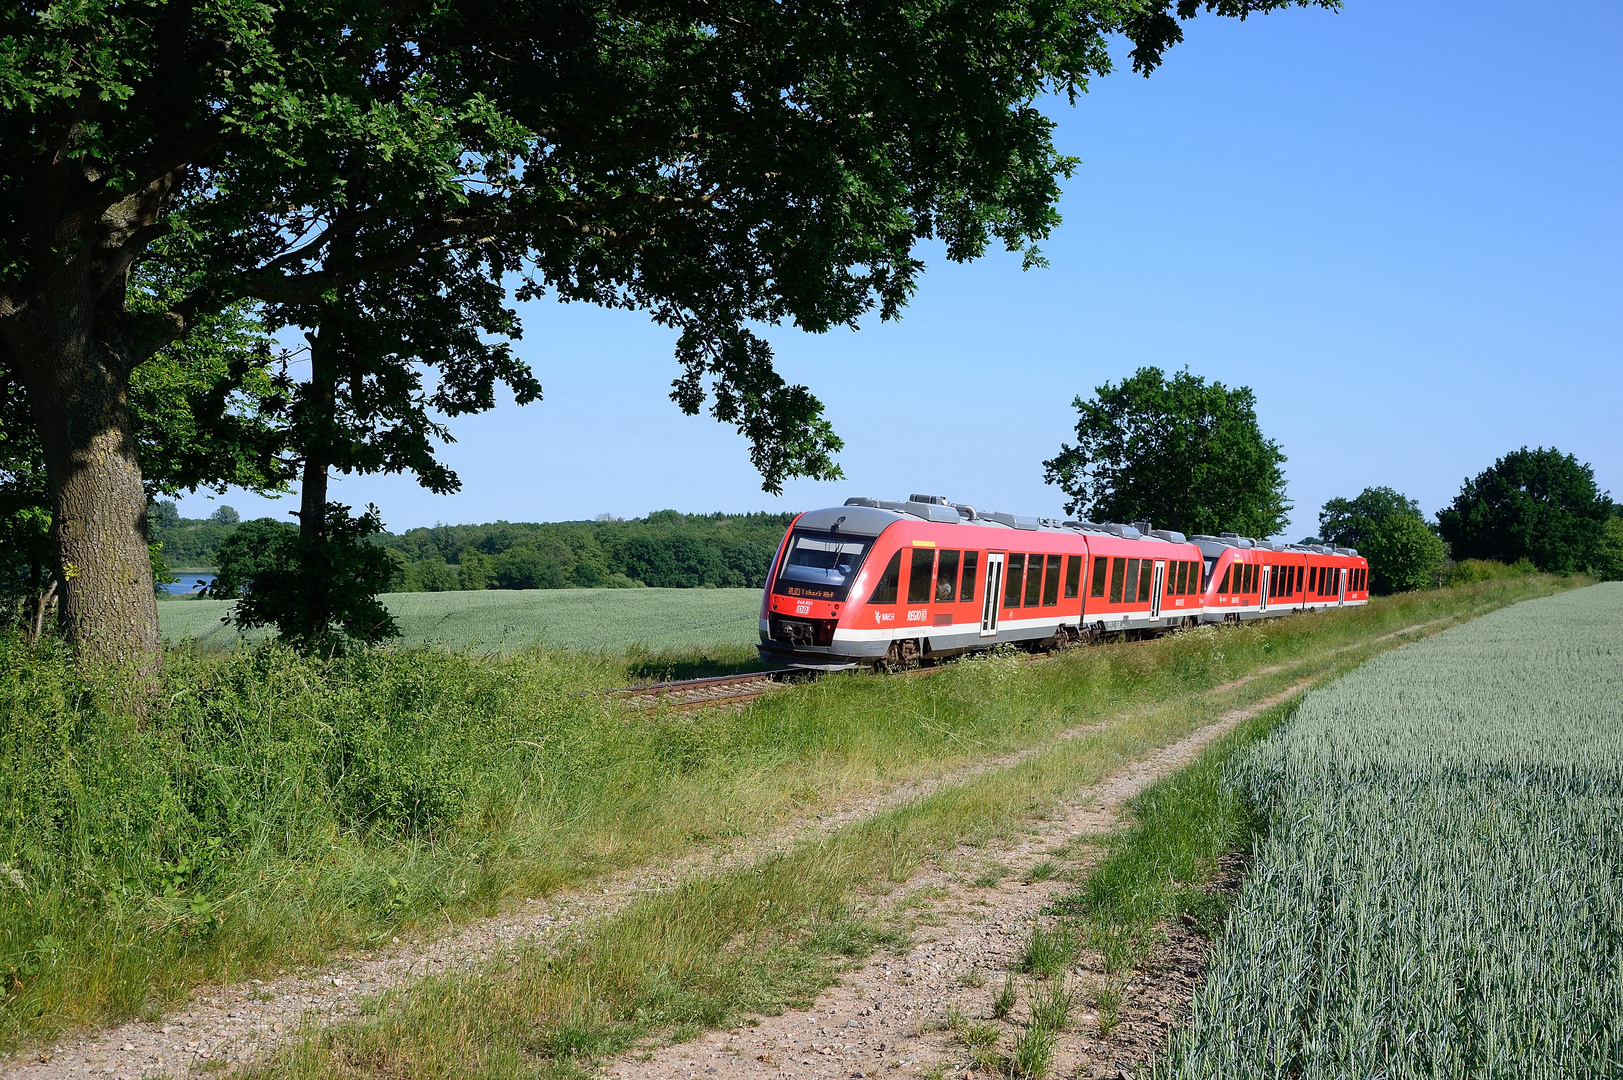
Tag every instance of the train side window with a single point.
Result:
(920, 576)
(1250, 577)
(1118, 572)
(1193, 585)
(972, 565)
(1034, 579)
(1015, 574)
(1223, 586)
(1313, 579)
(1146, 580)
(1101, 571)
(946, 577)
(1051, 582)
(1073, 576)
(1129, 592)
(885, 591)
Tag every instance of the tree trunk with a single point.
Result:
(317, 438)
(78, 395)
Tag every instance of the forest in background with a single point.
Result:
(666, 549)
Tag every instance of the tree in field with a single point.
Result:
(266, 566)
(1182, 453)
(717, 166)
(1541, 505)
(1389, 530)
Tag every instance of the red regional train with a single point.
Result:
(889, 584)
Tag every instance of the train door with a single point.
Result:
(1155, 590)
(992, 594)
(1266, 572)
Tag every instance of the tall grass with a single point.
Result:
(266, 808)
(1441, 891)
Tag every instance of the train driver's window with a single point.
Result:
(885, 591)
(1118, 572)
(946, 578)
(1073, 576)
(1223, 586)
(972, 564)
(1011, 583)
(919, 576)
(1051, 582)
(1034, 579)
(1100, 573)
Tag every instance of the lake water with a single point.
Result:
(188, 584)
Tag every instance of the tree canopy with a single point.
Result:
(1389, 530)
(1182, 453)
(717, 166)
(1541, 505)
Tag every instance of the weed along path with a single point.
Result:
(838, 854)
(954, 999)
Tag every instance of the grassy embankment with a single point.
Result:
(772, 933)
(681, 633)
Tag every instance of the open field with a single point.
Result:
(502, 619)
(1440, 893)
(274, 808)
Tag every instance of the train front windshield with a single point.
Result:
(821, 566)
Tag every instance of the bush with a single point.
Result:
(1471, 571)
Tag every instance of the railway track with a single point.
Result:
(698, 693)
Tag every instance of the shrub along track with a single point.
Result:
(240, 1023)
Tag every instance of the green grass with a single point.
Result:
(1440, 893)
(267, 808)
(497, 620)
(769, 935)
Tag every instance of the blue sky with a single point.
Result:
(1399, 224)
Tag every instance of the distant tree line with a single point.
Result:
(1188, 454)
(667, 549)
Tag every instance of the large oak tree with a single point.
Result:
(1181, 453)
(715, 164)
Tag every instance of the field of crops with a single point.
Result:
(614, 619)
(1440, 893)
